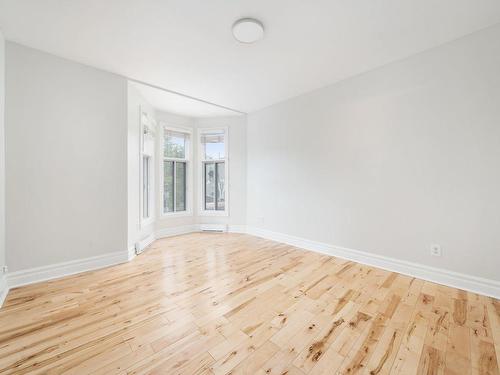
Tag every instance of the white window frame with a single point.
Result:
(189, 170)
(146, 186)
(201, 170)
(147, 130)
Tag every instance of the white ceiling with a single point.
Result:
(178, 104)
(187, 45)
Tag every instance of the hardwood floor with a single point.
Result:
(237, 304)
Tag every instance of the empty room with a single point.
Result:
(260, 187)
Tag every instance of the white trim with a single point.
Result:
(53, 271)
(131, 253)
(200, 162)
(145, 222)
(58, 270)
(175, 231)
(195, 228)
(208, 213)
(441, 276)
(213, 227)
(237, 228)
(150, 124)
(189, 170)
(144, 243)
(175, 128)
(4, 289)
(438, 275)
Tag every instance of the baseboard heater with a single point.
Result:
(141, 245)
(218, 228)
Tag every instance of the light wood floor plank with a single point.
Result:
(219, 304)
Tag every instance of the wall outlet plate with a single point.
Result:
(435, 250)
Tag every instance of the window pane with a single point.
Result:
(221, 192)
(210, 186)
(175, 145)
(168, 186)
(213, 146)
(180, 186)
(145, 187)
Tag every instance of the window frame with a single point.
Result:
(147, 127)
(146, 187)
(188, 157)
(201, 170)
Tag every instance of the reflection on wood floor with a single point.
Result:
(237, 304)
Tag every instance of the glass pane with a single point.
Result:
(210, 186)
(168, 186)
(175, 145)
(213, 146)
(145, 187)
(180, 186)
(221, 192)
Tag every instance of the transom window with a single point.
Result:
(175, 171)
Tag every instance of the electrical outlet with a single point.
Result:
(5, 269)
(436, 250)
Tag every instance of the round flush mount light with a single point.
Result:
(248, 30)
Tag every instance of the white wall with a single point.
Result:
(66, 160)
(2, 165)
(136, 104)
(390, 161)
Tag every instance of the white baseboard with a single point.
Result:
(193, 228)
(237, 228)
(175, 231)
(438, 275)
(213, 227)
(131, 253)
(441, 276)
(4, 289)
(144, 243)
(53, 271)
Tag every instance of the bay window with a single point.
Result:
(214, 166)
(175, 166)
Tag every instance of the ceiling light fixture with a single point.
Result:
(248, 30)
